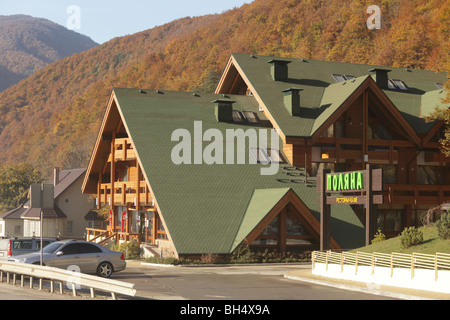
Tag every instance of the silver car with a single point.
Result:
(89, 257)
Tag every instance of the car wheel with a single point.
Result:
(104, 269)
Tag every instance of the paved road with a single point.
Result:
(256, 282)
(259, 282)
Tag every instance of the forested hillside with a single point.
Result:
(28, 44)
(53, 117)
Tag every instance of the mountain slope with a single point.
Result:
(28, 44)
(53, 117)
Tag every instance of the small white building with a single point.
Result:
(66, 219)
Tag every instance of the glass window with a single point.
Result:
(237, 117)
(23, 244)
(400, 84)
(250, 116)
(271, 229)
(293, 226)
(88, 248)
(397, 84)
(260, 155)
(389, 173)
(338, 77)
(393, 220)
(70, 249)
(426, 175)
(275, 156)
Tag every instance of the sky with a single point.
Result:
(102, 20)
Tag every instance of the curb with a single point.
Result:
(368, 289)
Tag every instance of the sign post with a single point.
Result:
(42, 197)
(349, 188)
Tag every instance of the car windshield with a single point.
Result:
(52, 247)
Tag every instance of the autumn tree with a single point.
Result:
(15, 181)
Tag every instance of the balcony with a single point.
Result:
(416, 194)
(126, 193)
(123, 150)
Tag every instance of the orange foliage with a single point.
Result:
(53, 117)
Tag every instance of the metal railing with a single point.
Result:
(75, 280)
(436, 262)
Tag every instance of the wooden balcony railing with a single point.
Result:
(416, 194)
(101, 236)
(123, 150)
(125, 192)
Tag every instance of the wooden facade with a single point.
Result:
(364, 127)
(367, 129)
(122, 188)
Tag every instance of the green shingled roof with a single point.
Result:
(212, 208)
(320, 89)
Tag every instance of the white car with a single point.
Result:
(88, 256)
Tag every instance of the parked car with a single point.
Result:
(18, 246)
(88, 256)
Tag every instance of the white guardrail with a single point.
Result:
(74, 280)
(414, 271)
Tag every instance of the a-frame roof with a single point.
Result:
(205, 208)
(321, 94)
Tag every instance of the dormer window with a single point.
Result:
(250, 116)
(237, 116)
(342, 78)
(396, 84)
(245, 116)
(266, 156)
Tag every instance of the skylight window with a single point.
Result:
(260, 155)
(245, 116)
(266, 156)
(397, 84)
(250, 116)
(275, 156)
(237, 116)
(342, 78)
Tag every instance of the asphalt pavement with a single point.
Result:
(387, 291)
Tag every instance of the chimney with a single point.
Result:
(224, 110)
(381, 77)
(292, 100)
(55, 176)
(279, 69)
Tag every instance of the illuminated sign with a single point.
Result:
(346, 181)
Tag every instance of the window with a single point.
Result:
(397, 84)
(342, 78)
(44, 243)
(70, 249)
(250, 116)
(237, 117)
(247, 116)
(88, 248)
(266, 156)
(275, 156)
(439, 85)
(69, 227)
(23, 244)
(260, 155)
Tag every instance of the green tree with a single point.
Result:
(15, 181)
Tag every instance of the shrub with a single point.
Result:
(379, 237)
(130, 249)
(411, 237)
(443, 226)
